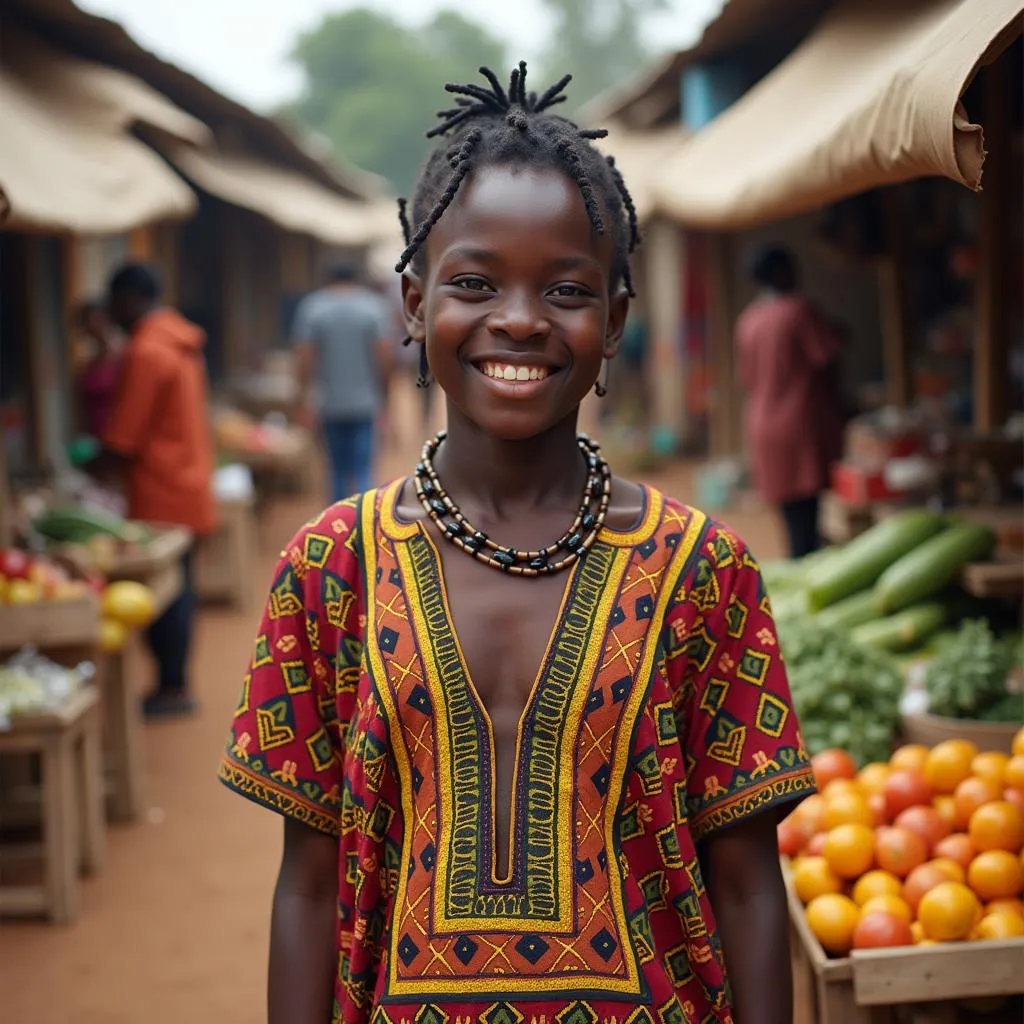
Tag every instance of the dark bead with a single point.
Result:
(504, 559)
(471, 543)
(428, 487)
(439, 507)
(421, 469)
(592, 461)
(574, 542)
(588, 522)
(540, 564)
(480, 537)
(453, 528)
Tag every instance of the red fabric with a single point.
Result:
(160, 421)
(662, 715)
(792, 418)
(97, 387)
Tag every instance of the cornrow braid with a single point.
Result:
(496, 126)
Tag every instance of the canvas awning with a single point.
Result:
(870, 98)
(639, 156)
(69, 161)
(287, 198)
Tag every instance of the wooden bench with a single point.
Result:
(67, 744)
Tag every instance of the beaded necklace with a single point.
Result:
(569, 548)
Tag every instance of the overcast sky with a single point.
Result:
(240, 46)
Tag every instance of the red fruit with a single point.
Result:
(899, 851)
(14, 564)
(926, 822)
(905, 789)
(793, 835)
(816, 845)
(878, 929)
(832, 764)
(878, 807)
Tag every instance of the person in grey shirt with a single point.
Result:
(343, 357)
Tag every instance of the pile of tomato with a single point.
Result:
(925, 848)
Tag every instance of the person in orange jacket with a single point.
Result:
(158, 437)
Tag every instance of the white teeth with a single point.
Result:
(509, 372)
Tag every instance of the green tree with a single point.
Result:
(372, 86)
(600, 42)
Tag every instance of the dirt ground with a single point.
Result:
(175, 929)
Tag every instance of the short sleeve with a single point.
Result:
(286, 743)
(137, 392)
(742, 746)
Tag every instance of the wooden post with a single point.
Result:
(725, 402)
(897, 314)
(991, 351)
(140, 244)
(664, 268)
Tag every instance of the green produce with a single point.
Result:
(847, 696)
(967, 677)
(850, 612)
(78, 525)
(904, 631)
(790, 604)
(866, 557)
(930, 567)
(791, 573)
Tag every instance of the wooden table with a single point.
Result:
(67, 743)
(224, 557)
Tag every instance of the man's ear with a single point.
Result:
(412, 306)
(618, 310)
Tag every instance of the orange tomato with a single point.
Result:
(1013, 772)
(905, 789)
(910, 758)
(875, 883)
(793, 836)
(846, 809)
(877, 929)
(995, 875)
(812, 877)
(971, 794)
(839, 788)
(926, 822)
(832, 764)
(999, 926)
(997, 826)
(922, 880)
(812, 812)
(1018, 743)
(871, 778)
(850, 850)
(894, 905)
(990, 765)
(1004, 906)
(918, 932)
(945, 806)
(816, 844)
(954, 872)
(899, 851)
(1015, 797)
(957, 847)
(948, 912)
(876, 801)
(948, 764)
(832, 918)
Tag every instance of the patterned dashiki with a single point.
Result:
(661, 714)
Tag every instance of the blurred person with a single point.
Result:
(786, 353)
(158, 440)
(96, 381)
(344, 355)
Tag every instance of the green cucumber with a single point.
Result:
(78, 525)
(866, 557)
(850, 612)
(904, 631)
(932, 566)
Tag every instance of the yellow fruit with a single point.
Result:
(812, 877)
(910, 758)
(893, 905)
(875, 883)
(996, 875)
(1000, 925)
(833, 919)
(1013, 773)
(1018, 743)
(23, 592)
(949, 912)
(129, 603)
(850, 850)
(112, 636)
(948, 764)
(846, 809)
(917, 930)
(871, 778)
(997, 826)
(990, 766)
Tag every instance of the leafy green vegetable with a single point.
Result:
(967, 677)
(847, 696)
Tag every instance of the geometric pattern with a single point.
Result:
(660, 716)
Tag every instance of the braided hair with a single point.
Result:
(497, 127)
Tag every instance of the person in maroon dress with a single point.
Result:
(787, 353)
(97, 381)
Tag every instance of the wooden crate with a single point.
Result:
(50, 624)
(223, 559)
(887, 986)
(168, 546)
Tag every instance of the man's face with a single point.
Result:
(124, 308)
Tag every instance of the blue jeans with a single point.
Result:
(350, 451)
